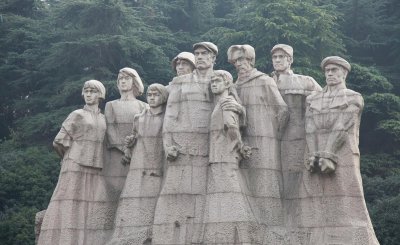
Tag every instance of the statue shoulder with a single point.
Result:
(309, 82)
(181, 79)
(354, 98)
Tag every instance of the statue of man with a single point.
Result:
(183, 63)
(335, 207)
(294, 89)
(180, 206)
(266, 114)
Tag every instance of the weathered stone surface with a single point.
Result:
(332, 126)
(262, 161)
(119, 116)
(135, 213)
(77, 212)
(266, 116)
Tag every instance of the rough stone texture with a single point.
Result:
(180, 207)
(332, 206)
(38, 223)
(135, 213)
(294, 89)
(119, 116)
(265, 110)
(77, 212)
(190, 179)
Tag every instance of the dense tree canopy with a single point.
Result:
(48, 48)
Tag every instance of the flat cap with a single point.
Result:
(337, 61)
(183, 56)
(207, 45)
(286, 48)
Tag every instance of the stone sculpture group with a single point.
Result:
(263, 160)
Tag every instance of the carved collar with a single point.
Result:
(253, 74)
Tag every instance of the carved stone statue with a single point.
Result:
(228, 215)
(119, 117)
(335, 209)
(180, 207)
(135, 213)
(266, 117)
(75, 213)
(294, 89)
(183, 63)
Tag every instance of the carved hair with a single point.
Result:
(227, 77)
(161, 89)
(247, 50)
(137, 83)
(97, 85)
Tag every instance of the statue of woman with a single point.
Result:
(228, 216)
(72, 216)
(144, 151)
(119, 117)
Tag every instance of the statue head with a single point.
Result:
(93, 91)
(220, 81)
(282, 57)
(157, 95)
(129, 80)
(205, 54)
(183, 63)
(336, 69)
(243, 57)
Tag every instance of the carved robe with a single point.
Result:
(334, 209)
(119, 116)
(77, 209)
(266, 116)
(294, 89)
(180, 207)
(135, 213)
(228, 215)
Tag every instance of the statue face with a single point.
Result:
(281, 61)
(125, 82)
(204, 58)
(183, 67)
(218, 85)
(334, 74)
(241, 63)
(154, 98)
(91, 95)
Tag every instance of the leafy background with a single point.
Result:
(48, 48)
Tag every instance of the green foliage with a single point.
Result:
(367, 80)
(386, 216)
(16, 227)
(49, 48)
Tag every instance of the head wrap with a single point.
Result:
(183, 56)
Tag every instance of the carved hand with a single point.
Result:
(230, 104)
(246, 152)
(326, 165)
(172, 153)
(130, 141)
(311, 164)
(125, 160)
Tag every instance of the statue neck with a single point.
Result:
(204, 73)
(156, 110)
(127, 95)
